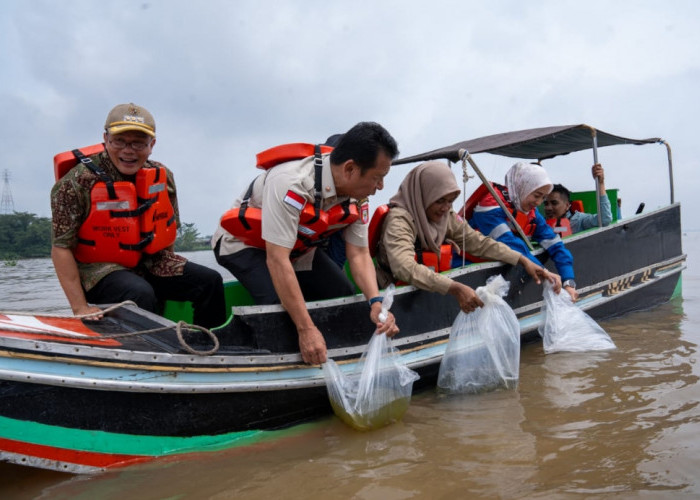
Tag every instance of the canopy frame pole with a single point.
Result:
(465, 179)
(670, 169)
(594, 135)
(465, 156)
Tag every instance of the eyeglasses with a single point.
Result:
(119, 143)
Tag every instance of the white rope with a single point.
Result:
(70, 316)
(178, 329)
(465, 178)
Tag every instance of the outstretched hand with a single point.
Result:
(312, 345)
(597, 171)
(554, 279)
(388, 326)
(572, 292)
(466, 296)
(536, 272)
(89, 312)
(539, 273)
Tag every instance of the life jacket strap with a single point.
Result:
(419, 251)
(147, 239)
(83, 241)
(346, 210)
(97, 170)
(318, 187)
(244, 205)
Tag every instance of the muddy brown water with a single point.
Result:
(616, 424)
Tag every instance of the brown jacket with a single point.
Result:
(397, 251)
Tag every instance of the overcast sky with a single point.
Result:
(227, 79)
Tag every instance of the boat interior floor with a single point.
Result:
(147, 334)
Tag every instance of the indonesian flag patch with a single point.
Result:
(294, 200)
(364, 211)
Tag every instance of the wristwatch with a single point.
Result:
(378, 298)
(570, 283)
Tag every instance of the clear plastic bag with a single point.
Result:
(568, 328)
(483, 352)
(378, 390)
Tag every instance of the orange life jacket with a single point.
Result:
(524, 220)
(375, 228)
(126, 219)
(63, 162)
(315, 225)
(430, 259)
(576, 206)
(427, 258)
(267, 159)
(482, 191)
(561, 226)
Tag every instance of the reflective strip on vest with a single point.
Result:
(499, 231)
(156, 188)
(306, 230)
(112, 205)
(548, 243)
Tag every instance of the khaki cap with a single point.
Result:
(124, 117)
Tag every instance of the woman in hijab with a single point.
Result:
(527, 185)
(420, 221)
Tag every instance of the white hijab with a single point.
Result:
(524, 178)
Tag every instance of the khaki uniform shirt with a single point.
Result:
(70, 206)
(280, 219)
(397, 251)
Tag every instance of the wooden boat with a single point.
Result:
(82, 396)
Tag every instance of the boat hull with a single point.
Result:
(83, 406)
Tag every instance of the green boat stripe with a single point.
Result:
(124, 444)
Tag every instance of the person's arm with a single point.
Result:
(311, 342)
(581, 221)
(477, 244)
(68, 276)
(598, 172)
(563, 260)
(466, 296)
(398, 240)
(70, 204)
(493, 223)
(538, 273)
(605, 209)
(362, 270)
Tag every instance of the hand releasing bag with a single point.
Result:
(483, 352)
(378, 390)
(568, 328)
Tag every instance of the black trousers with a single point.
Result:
(198, 284)
(325, 280)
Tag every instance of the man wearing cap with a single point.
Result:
(114, 223)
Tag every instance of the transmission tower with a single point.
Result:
(7, 205)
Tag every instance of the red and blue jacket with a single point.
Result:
(491, 220)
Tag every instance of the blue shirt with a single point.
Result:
(580, 220)
(493, 222)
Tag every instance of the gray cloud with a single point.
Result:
(228, 79)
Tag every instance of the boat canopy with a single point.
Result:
(535, 143)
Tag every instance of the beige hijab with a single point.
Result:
(524, 178)
(423, 186)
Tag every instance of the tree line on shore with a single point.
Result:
(26, 236)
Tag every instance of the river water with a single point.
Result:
(617, 424)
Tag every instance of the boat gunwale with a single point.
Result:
(671, 267)
(164, 361)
